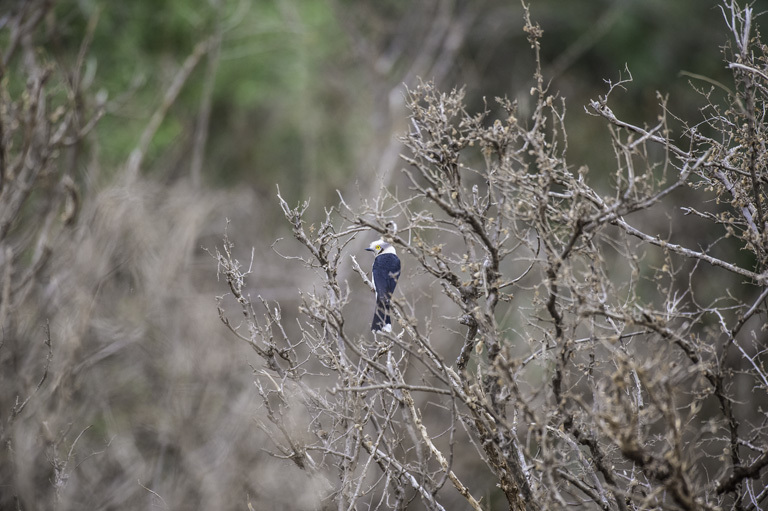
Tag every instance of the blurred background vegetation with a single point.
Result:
(307, 95)
(306, 92)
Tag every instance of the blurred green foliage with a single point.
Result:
(295, 99)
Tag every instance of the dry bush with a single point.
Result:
(554, 347)
(113, 394)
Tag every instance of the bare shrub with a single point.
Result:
(42, 128)
(104, 313)
(553, 348)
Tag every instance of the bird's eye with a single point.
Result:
(378, 247)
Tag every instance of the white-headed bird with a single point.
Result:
(386, 270)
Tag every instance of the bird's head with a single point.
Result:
(381, 247)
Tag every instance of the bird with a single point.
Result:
(386, 271)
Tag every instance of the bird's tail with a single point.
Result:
(381, 318)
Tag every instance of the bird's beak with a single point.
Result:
(369, 249)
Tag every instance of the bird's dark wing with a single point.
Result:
(386, 270)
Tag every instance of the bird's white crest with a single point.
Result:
(379, 247)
